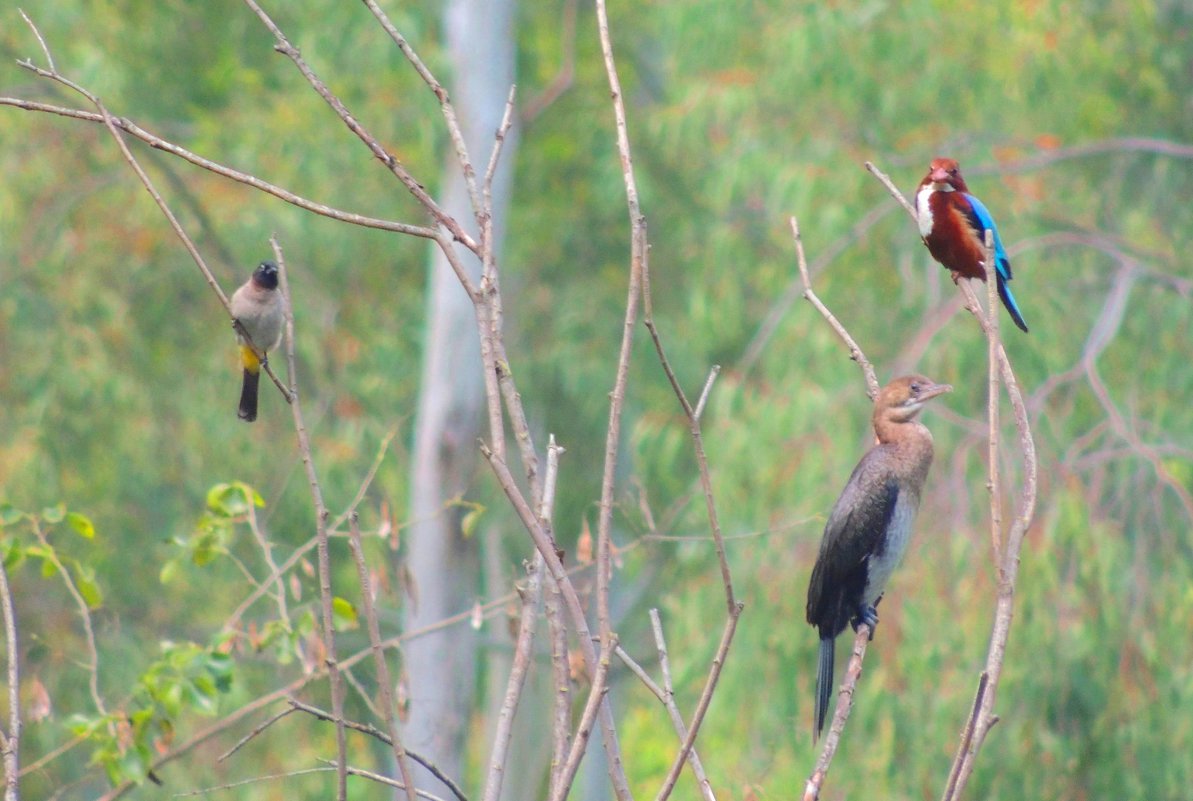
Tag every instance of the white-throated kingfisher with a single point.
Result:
(870, 524)
(954, 223)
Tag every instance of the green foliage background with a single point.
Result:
(117, 377)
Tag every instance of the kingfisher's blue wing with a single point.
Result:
(979, 217)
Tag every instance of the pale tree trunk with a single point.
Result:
(441, 668)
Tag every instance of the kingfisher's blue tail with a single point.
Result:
(1008, 300)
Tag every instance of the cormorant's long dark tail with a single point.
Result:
(824, 685)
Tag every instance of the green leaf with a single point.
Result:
(81, 524)
(344, 613)
(468, 522)
(48, 568)
(53, 514)
(168, 572)
(14, 553)
(233, 499)
(9, 514)
(87, 586)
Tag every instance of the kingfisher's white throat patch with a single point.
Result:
(923, 209)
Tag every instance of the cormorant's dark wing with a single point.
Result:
(855, 530)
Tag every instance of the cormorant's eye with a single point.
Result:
(915, 388)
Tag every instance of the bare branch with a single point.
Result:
(713, 372)
(855, 351)
(321, 517)
(844, 705)
(416, 189)
(546, 547)
(384, 684)
(567, 67)
(114, 130)
(243, 741)
(702, 781)
(380, 779)
(523, 655)
(10, 741)
(275, 575)
(795, 287)
(156, 142)
(84, 616)
(561, 707)
(992, 391)
(381, 736)
(445, 104)
(710, 686)
(983, 717)
(524, 646)
(694, 432)
(894, 190)
(503, 130)
(584, 727)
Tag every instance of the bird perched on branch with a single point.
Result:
(953, 224)
(870, 524)
(258, 308)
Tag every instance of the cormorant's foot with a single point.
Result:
(866, 614)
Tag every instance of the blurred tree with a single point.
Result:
(441, 668)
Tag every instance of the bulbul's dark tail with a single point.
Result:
(824, 685)
(248, 396)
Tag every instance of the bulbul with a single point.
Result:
(870, 525)
(257, 306)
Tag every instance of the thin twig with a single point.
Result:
(110, 123)
(321, 517)
(391, 162)
(584, 727)
(275, 575)
(10, 741)
(503, 130)
(795, 287)
(385, 686)
(643, 676)
(387, 781)
(992, 389)
(638, 250)
(381, 736)
(713, 372)
(524, 646)
(983, 718)
(656, 625)
(710, 686)
(855, 350)
(546, 547)
(84, 615)
(243, 741)
(844, 705)
(966, 735)
(567, 67)
(694, 432)
(523, 656)
(156, 142)
(449, 112)
(207, 791)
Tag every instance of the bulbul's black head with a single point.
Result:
(266, 275)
